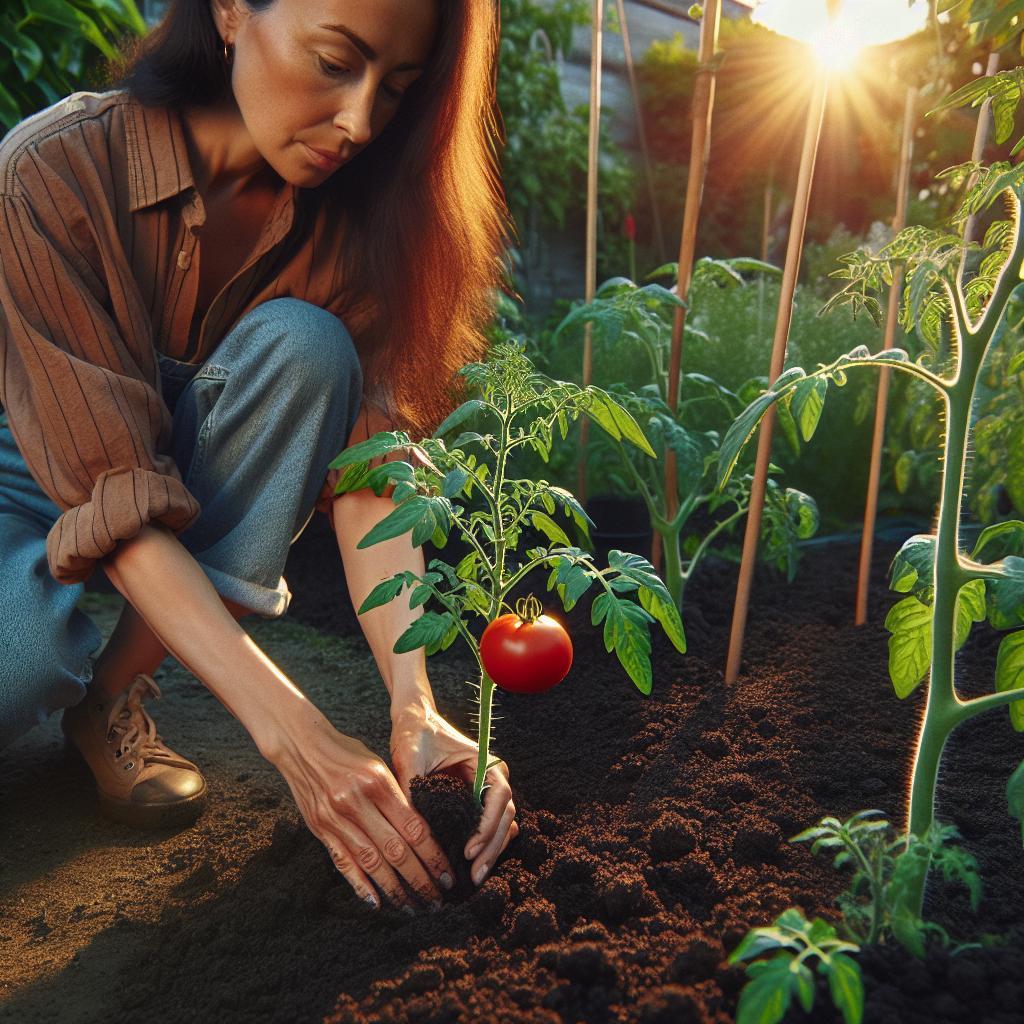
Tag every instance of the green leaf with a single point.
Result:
(913, 566)
(746, 423)
(998, 541)
(429, 628)
(908, 930)
(1006, 594)
(1010, 674)
(384, 592)
(758, 941)
(626, 632)
(454, 481)
(420, 596)
(550, 529)
(847, 988)
(808, 403)
(572, 508)
(615, 421)
(665, 611)
(910, 623)
(903, 472)
(404, 518)
(766, 997)
(1015, 796)
(803, 982)
(383, 443)
(460, 415)
(970, 608)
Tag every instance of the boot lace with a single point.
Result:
(132, 726)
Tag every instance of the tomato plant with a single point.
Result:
(526, 652)
(947, 590)
(466, 485)
(636, 322)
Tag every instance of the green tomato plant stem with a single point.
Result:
(944, 709)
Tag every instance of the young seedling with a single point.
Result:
(874, 910)
(518, 408)
(949, 590)
(625, 314)
(874, 906)
(773, 982)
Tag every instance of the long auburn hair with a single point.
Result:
(422, 206)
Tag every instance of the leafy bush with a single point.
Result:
(544, 160)
(50, 48)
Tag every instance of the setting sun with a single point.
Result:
(860, 23)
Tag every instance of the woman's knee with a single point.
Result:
(308, 347)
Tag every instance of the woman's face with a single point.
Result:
(302, 85)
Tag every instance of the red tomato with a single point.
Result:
(526, 655)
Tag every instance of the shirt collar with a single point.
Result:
(159, 167)
(158, 164)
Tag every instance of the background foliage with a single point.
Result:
(50, 48)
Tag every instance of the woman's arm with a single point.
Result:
(421, 740)
(346, 794)
(405, 675)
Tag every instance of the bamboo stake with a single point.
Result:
(881, 401)
(798, 223)
(980, 138)
(700, 148)
(659, 236)
(597, 19)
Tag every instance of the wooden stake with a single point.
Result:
(794, 247)
(700, 148)
(899, 221)
(980, 138)
(597, 19)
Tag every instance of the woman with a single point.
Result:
(207, 288)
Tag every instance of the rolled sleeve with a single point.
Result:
(79, 377)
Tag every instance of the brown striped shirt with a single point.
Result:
(97, 275)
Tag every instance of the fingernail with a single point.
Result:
(406, 909)
(480, 873)
(446, 880)
(371, 900)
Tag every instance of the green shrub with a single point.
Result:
(50, 48)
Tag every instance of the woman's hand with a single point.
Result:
(421, 742)
(353, 805)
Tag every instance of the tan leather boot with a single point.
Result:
(140, 780)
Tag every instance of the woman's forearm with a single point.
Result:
(404, 675)
(159, 577)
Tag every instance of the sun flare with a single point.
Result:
(859, 23)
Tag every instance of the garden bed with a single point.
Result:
(653, 834)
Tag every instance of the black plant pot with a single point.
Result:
(621, 524)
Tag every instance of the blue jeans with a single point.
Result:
(255, 428)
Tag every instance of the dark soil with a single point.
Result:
(653, 835)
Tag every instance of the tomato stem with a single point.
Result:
(484, 735)
(529, 609)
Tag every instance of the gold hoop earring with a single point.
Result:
(227, 55)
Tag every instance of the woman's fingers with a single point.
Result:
(366, 857)
(492, 835)
(484, 860)
(427, 860)
(354, 875)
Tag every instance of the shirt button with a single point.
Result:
(184, 260)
